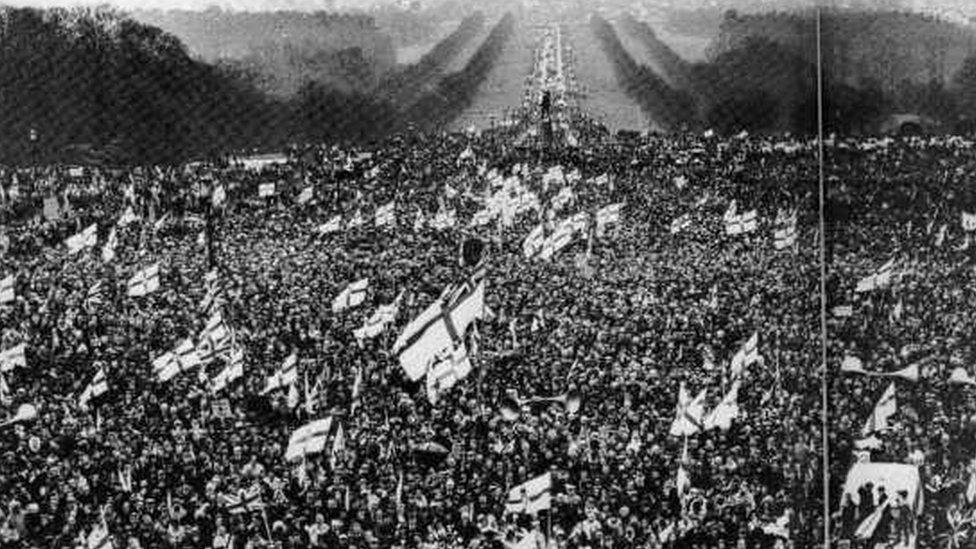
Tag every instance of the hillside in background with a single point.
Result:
(93, 83)
(875, 63)
(284, 49)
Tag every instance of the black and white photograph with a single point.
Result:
(525, 274)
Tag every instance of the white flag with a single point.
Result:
(726, 410)
(968, 222)
(87, 238)
(333, 225)
(680, 223)
(690, 413)
(232, 372)
(377, 323)
(7, 289)
(14, 357)
(352, 296)
(144, 282)
(437, 330)
(447, 372)
(108, 251)
(386, 215)
(747, 355)
(309, 439)
(97, 387)
(886, 407)
(286, 375)
(530, 497)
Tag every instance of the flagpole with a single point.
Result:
(823, 290)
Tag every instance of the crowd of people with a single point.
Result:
(625, 319)
(901, 208)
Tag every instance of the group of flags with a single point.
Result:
(690, 417)
(740, 223)
(385, 216)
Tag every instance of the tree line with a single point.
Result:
(92, 85)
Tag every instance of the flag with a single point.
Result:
(306, 195)
(128, 216)
(215, 286)
(559, 239)
(877, 280)
(5, 399)
(357, 384)
(244, 501)
(108, 251)
(690, 412)
(213, 339)
(447, 372)
(7, 289)
(444, 219)
(534, 242)
(96, 388)
(161, 222)
(377, 323)
(333, 225)
(784, 236)
(286, 375)
(852, 365)
(309, 439)
(968, 222)
(99, 537)
(747, 355)
(940, 238)
(219, 196)
(418, 220)
(352, 296)
(886, 407)
(398, 498)
(266, 189)
(680, 223)
(87, 238)
(607, 216)
(312, 396)
(338, 447)
(531, 496)
(232, 372)
(14, 357)
(726, 410)
(356, 220)
(52, 209)
(438, 329)
(166, 367)
(742, 224)
(564, 198)
(144, 282)
(482, 218)
(386, 215)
